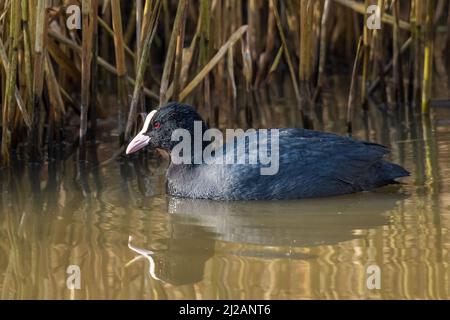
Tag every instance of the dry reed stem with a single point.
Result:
(386, 18)
(353, 84)
(177, 30)
(38, 76)
(86, 64)
(179, 56)
(20, 103)
(108, 67)
(121, 66)
(8, 105)
(110, 31)
(428, 57)
(287, 56)
(143, 61)
(397, 61)
(213, 62)
(323, 44)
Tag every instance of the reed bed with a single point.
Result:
(57, 84)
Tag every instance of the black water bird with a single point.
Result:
(310, 163)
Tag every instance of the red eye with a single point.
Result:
(156, 125)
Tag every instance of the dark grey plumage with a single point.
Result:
(311, 164)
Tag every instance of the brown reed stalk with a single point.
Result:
(179, 56)
(305, 61)
(397, 59)
(247, 68)
(267, 55)
(376, 53)
(428, 57)
(379, 69)
(56, 107)
(62, 57)
(139, 15)
(38, 76)
(204, 55)
(174, 42)
(130, 29)
(20, 103)
(166, 22)
(121, 67)
(213, 62)
(147, 20)
(143, 61)
(365, 59)
(275, 63)
(384, 70)
(102, 23)
(86, 65)
(27, 54)
(323, 46)
(218, 33)
(353, 87)
(187, 57)
(232, 87)
(94, 73)
(287, 56)
(305, 40)
(8, 106)
(101, 62)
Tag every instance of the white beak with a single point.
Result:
(138, 142)
(141, 140)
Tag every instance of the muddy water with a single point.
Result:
(114, 224)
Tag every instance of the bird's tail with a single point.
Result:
(384, 173)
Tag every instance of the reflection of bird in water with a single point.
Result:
(143, 253)
(301, 223)
(274, 227)
(184, 257)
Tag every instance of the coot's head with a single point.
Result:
(159, 124)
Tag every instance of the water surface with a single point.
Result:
(131, 241)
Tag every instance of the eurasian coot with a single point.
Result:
(308, 163)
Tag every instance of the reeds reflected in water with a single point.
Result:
(65, 213)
